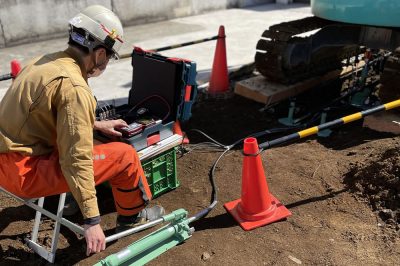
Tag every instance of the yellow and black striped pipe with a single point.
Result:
(175, 46)
(340, 121)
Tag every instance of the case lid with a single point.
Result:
(165, 86)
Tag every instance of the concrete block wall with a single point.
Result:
(24, 21)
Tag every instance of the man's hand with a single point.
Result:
(95, 239)
(108, 126)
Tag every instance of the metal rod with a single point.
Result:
(340, 121)
(5, 77)
(174, 46)
(134, 230)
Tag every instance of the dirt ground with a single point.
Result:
(343, 192)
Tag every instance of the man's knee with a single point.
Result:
(125, 150)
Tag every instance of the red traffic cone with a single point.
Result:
(219, 82)
(15, 68)
(177, 130)
(256, 207)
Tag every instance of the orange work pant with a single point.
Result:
(40, 176)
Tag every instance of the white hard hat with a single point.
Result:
(99, 23)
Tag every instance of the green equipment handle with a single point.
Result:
(154, 244)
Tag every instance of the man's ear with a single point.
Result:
(101, 52)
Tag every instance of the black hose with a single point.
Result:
(214, 197)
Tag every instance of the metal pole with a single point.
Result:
(340, 121)
(134, 230)
(174, 46)
(5, 77)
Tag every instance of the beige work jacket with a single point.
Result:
(50, 107)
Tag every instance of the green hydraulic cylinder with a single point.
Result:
(154, 244)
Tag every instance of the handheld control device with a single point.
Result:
(131, 130)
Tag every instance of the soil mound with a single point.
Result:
(378, 181)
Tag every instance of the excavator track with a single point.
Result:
(274, 51)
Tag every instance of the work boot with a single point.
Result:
(71, 206)
(144, 216)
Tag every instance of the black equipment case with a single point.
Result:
(163, 91)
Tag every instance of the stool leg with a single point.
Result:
(56, 233)
(40, 250)
(38, 216)
(32, 243)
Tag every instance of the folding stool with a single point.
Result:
(59, 220)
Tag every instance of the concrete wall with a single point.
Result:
(24, 21)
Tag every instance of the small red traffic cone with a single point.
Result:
(219, 82)
(256, 207)
(177, 130)
(15, 68)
